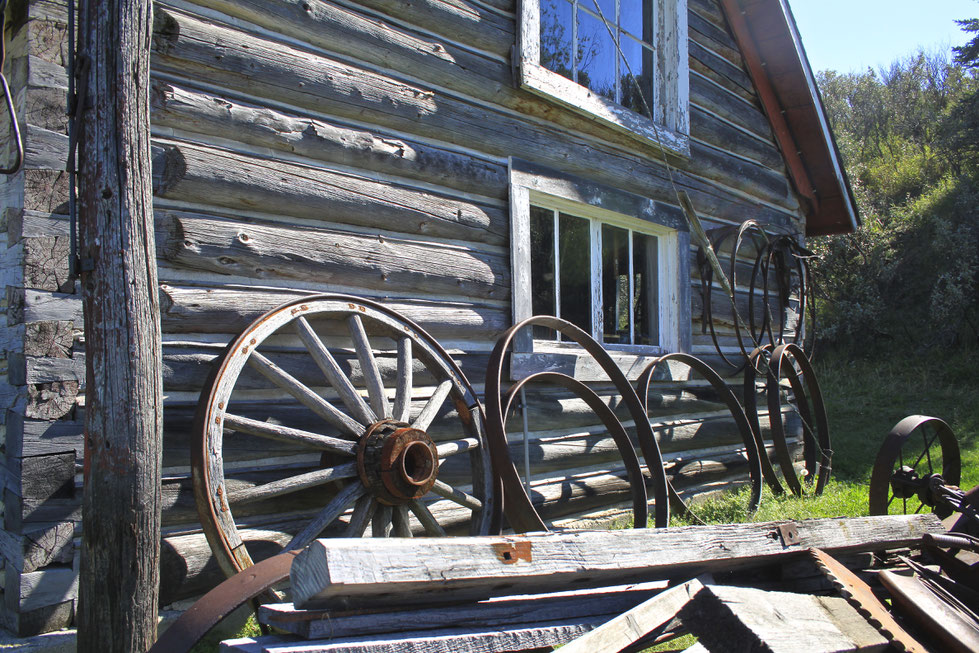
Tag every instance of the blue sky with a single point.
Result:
(850, 35)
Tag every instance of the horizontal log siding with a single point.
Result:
(362, 147)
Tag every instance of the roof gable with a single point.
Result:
(776, 61)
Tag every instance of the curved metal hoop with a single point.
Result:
(748, 437)
(817, 451)
(518, 507)
(637, 484)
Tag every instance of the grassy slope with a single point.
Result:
(865, 398)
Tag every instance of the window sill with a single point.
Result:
(577, 363)
(547, 83)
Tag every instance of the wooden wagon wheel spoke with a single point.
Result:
(304, 395)
(432, 406)
(368, 364)
(402, 393)
(381, 523)
(323, 445)
(400, 522)
(454, 447)
(363, 512)
(336, 507)
(427, 519)
(446, 491)
(293, 484)
(334, 375)
(287, 434)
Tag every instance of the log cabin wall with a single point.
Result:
(357, 147)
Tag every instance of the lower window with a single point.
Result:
(613, 263)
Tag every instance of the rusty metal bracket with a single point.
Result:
(789, 533)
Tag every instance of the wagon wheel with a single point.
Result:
(750, 455)
(519, 508)
(916, 450)
(817, 453)
(316, 376)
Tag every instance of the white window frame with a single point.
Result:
(670, 125)
(532, 185)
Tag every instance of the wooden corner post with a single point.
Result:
(119, 576)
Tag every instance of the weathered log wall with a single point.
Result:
(330, 146)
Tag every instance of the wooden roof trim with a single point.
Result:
(832, 208)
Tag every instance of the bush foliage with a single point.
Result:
(909, 137)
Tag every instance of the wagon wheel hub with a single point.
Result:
(396, 463)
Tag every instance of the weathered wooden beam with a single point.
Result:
(119, 573)
(220, 178)
(336, 573)
(215, 309)
(27, 305)
(280, 251)
(38, 546)
(627, 628)
(748, 619)
(189, 110)
(317, 624)
(529, 637)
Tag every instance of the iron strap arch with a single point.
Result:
(518, 507)
(748, 436)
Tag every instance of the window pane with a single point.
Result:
(635, 17)
(638, 60)
(596, 56)
(555, 36)
(542, 268)
(607, 8)
(575, 271)
(615, 284)
(645, 262)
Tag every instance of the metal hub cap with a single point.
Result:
(396, 463)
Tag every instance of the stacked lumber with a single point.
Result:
(588, 591)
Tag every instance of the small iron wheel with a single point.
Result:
(376, 427)
(918, 452)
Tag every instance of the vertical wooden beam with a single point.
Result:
(117, 608)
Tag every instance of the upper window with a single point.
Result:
(621, 61)
(612, 263)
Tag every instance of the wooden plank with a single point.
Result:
(631, 626)
(747, 619)
(277, 251)
(316, 624)
(450, 640)
(344, 573)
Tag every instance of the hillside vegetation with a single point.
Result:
(909, 137)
